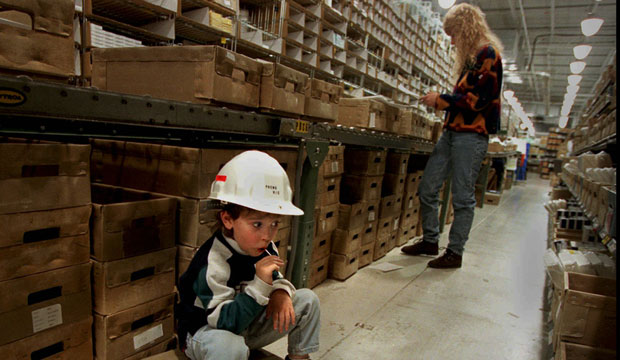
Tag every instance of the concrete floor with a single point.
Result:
(491, 308)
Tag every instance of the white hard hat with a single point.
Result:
(257, 181)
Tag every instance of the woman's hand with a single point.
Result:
(266, 266)
(430, 99)
(280, 307)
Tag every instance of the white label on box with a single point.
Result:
(396, 224)
(371, 216)
(231, 56)
(227, 2)
(148, 336)
(403, 168)
(371, 121)
(410, 203)
(334, 166)
(46, 317)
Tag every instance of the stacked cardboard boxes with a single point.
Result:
(411, 204)
(327, 213)
(394, 183)
(44, 247)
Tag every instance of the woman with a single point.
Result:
(472, 113)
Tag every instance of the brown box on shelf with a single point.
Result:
(37, 37)
(128, 223)
(346, 241)
(352, 216)
(588, 311)
(411, 201)
(185, 254)
(396, 163)
(387, 206)
(372, 210)
(131, 330)
(380, 248)
(322, 100)
(569, 351)
(356, 188)
(121, 284)
(491, 198)
(38, 241)
(366, 254)
(404, 235)
(327, 219)
(364, 162)
(318, 271)
(42, 176)
(199, 73)
(328, 191)
(384, 228)
(159, 351)
(393, 184)
(367, 113)
(391, 242)
(413, 181)
(343, 266)
(322, 246)
(171, 170)
(370, 232)
(282, 89)
(409, 217)
(333, 165)
(33, 304)
(406, 122)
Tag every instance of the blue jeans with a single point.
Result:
(303, 338)
(459, 153)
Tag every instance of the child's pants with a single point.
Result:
(303, 337)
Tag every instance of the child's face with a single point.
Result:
(253, 230)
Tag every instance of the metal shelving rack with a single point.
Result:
(55, 111)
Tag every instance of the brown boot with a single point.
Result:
(421, 248)
(449, 260)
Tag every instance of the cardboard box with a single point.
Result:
(185, 254)
(343, 266)
(393, 184)
(37, 37)
(33, 304)
(39, 241)
(121, 284)
(327, 219)
(318, 271)
(197, 221)
(43, 176)
(328, 191)
(380, 248)
(588, 311)
(64, 342)
(322, 100)
(356, 188)
(569, 351)
(129, 223)
(403, 235)
(184, 73)
(352, 216)
(346, 241)
(128, 164)
(391, 242)
(411, 201)
(129, 331)
(372, 210)
(491, 198)
(282, 89)
(396, 163)
(322, 246)
(406, 122)
(333, 164)
(410, 217)
(384, 228)
(413, 181)
(158, 351)
(370, 232)
(387, 207)
(364, 162)
(367, 113)
(366, 254)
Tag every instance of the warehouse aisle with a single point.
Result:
(490, 308)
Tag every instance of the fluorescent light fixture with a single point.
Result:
(508, 94)
(572, 89)
(576, 67)
(581, 51)
(446, 4)
(574, 79)
(591, 26)
(565, 111)
(563, 121)
(522, 126)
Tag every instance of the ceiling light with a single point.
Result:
(574, 79)
(508, 94)
(565, 111)
(591, 26)
(577, 67)
(582, 51)
(446, 4)
(563, 121)
(572, 89)
(522, 126)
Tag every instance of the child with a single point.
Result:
(232, 296)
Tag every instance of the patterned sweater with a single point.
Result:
(220, 288)
(475, 104)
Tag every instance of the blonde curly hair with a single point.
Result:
(466, 24)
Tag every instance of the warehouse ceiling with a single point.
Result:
(538, 38)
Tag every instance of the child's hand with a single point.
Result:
(281, 308)
(266, 266)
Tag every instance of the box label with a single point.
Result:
(371, 216)
(46, 317)
(410, 203)
(371, 121)
(231, 56)
(396, 224)
(334, 166)
(148, 336)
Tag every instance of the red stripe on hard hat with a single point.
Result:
(220, 178)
